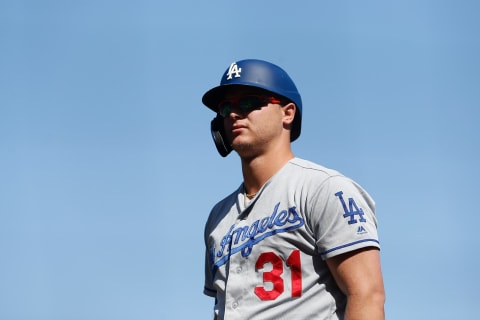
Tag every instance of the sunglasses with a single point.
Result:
(245, 104)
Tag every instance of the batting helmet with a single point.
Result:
(259, 74)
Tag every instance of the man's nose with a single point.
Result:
(236, 112)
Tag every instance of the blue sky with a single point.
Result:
(108, 171)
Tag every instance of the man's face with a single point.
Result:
(253, 119)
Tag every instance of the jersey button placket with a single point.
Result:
(237, 280)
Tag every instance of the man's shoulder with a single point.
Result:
(222, 207)
(310, 167)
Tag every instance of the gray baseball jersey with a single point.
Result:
(265, 258)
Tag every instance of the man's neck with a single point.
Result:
(258, 170)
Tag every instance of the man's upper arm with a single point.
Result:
(359, 276)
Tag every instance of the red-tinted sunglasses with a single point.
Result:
(245, 104)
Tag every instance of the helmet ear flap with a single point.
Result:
(218, 134)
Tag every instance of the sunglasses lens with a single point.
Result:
(225, 108)
(245, 105)
(250, 103)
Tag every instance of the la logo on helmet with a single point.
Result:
(234, 69)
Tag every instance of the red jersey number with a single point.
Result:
(275, 275)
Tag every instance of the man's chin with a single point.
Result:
(245, 150)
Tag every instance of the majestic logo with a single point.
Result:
(361, 230)
(234, 69)
(242, 239)
(352, 210)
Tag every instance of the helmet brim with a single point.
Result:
(214, 96)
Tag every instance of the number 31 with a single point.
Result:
(275, 275)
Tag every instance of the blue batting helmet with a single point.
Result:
(259, 74)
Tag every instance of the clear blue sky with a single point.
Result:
(108, 171)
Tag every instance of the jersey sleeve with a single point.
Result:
(217, 213)
(208, 286)
(343, 217)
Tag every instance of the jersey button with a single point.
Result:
(235, 305)
(239, 269)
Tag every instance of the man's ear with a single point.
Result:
(289, 111)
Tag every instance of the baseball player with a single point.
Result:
(295, 240)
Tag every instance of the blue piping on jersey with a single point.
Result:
(348, 245)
